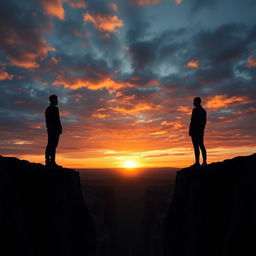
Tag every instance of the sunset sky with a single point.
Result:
(126, 73)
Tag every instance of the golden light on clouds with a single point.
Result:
(134, 110)
(176, 125)
(23, 142)
(27, 62)
(53, 8)
(4, 75)
(105, 23)
(159, 133)
(54, 60)
(193, 64)
(223, 101)
(29, 59)
(184, 109)
(79, 82)
(100, 115)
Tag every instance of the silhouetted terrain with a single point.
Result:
(42, 211)
(213, 211)
(47, 211)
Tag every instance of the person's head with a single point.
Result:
(53, 99)
(197, 101)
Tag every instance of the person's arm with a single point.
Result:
(191, 123)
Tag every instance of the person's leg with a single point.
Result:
(48, 150)
(55, 141)
(203, 150)
(196, 149)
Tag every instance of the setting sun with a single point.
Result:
(130, 164)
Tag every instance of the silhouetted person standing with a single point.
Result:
(54, 130)
(196, 130)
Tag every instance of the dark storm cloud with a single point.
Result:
(219, 52)
(197, 5)
(21, 33)
(82, 65)
(226, 43)
(143, 53)
(163, 49)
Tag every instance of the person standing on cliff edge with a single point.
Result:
(54, 130)
(196, 131)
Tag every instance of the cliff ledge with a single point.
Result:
(42, 211)
(213, 211)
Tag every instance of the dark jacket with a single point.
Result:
(52, 119)
(198, 121)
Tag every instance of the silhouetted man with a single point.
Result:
(196, 130)
(54, 130)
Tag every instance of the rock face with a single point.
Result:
(102, 208)
(213, 211)
(157, 201)
(42, 211)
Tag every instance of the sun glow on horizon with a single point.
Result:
(130, 164)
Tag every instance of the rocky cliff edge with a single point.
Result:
(213, 211)
(42, 211)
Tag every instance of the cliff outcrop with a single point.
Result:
(42, 211)
(213, 211)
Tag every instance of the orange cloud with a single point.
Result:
(4, 75)
(184, 109)
(105, 23)
(29, 59)
(122, 99)
(100, 115)
(139, 80)
(134, 110)
(26, 61)
(158, 133)
(54, 60)
(77, 4)
(175, 125)
(154, 82)
(79, 82)
(251, 62)
(193, 64)
(223, 101)
(166, 123)
(53, 8)
(145, 2)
